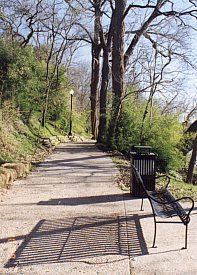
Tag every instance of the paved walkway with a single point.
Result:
(69, 217)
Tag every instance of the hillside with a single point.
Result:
(22, 145)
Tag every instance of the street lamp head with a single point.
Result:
(71, 92)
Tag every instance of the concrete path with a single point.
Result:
(69, 217)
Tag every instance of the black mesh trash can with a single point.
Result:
(144, 161)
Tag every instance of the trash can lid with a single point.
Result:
(141, 149)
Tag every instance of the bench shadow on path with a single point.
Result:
(80, 239)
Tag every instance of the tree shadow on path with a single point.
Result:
(74, 201)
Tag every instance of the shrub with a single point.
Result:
(162, 132)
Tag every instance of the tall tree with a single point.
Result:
(192, 161)
(154, 14)
(89, 33)
(117, 66)
(47, 23)
(106, 40)
(192, 128)
(96, 51)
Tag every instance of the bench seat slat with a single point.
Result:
(167, 210)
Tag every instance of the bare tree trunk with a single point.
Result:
(44, 111)
(192, 162)
(47, 90)
(106, 46)
(94, 89)
(117, 67)
(96, 50)
(103, 96)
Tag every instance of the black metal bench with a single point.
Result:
(164, 205)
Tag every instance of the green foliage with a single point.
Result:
(21, 77)
(16, 140)
(81, 123)
(162, 132)
(23, 86)
(5, 157)
(38, 131)
(23, 81)
(186, 143)
(59, 101)
(165, 139)
(6, 58)
(181, 189)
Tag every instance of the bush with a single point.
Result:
(162, 132)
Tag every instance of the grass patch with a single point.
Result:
(18, 141)
(181, 189)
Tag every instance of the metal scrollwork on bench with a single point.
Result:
(164, 205)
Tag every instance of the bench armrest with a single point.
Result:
(166, 177)
(192, 204)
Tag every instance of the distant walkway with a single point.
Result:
(70, 218)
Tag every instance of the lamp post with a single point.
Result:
(71, 107)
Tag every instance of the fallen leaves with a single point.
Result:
(11, 239)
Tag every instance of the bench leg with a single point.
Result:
(186, 229)
(142, 204)
(155, 232)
